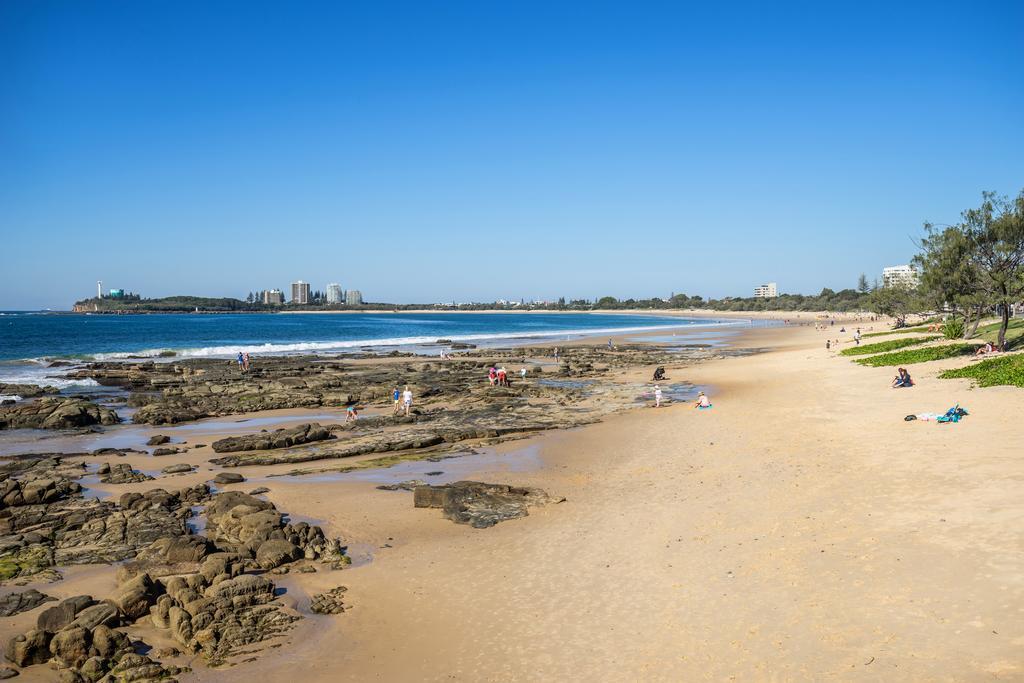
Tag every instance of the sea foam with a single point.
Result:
(228, 351)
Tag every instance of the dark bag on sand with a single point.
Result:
(908, 418)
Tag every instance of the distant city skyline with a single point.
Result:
(484, 151)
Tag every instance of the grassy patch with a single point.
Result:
(902, 330)
(911, 356)
(1001, 371)
(890, 345)
(1014, 333)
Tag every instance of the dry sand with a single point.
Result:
(799, 530)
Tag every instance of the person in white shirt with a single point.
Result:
(703, 401)
(407, 400)
(657, 396)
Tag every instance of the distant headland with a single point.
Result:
(128, 303)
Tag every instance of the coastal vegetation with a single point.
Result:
(1003, 370)
(890, 345)
(976, 267)
(911, 356)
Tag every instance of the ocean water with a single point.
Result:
(31, 342)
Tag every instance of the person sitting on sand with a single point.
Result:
(702, 401)
(902, 379)
(659, 374)
(989, 347)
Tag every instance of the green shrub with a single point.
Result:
(1004, 370)
(890, 345)
(953, 329)
(911, 356)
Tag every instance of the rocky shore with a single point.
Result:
(196, 564)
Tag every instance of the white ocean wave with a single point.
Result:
(42, 377)
(9, 397)
(348, 344)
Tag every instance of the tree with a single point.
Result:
(897, 301)
(249, 299)
(862, 284)
(996, 233)
(950, 280)
(607, 302)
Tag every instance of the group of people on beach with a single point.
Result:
(702, 401)
(498, 377)
(403, 400)
(243, 361)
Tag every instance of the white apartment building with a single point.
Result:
(906, 276)
(273, 296)
(353, 297)
(300, 292)
(769, 290)
(334, 294)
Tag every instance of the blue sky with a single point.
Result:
(470, 151)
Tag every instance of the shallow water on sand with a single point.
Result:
(439, 470)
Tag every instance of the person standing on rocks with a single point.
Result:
(245, 362)
(241, 362)
(407, 400)
(397, 397)
(492, 375)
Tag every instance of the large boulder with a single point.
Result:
(108, 643)
(478, 504)
(70, 647)
(28, 649)
(134, 597)
(89, 618)
(16, 603)
(56, 413)
(279, 438)
(274, 553)
(246, 585)
(122, 473)
(53, 619)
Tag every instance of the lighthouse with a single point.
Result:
(99, 289)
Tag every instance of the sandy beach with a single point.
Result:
(799, 530)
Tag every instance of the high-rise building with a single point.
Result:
(334, 294)
(273, 296)
(353, 297)
(300, 293)
(905, 276)
(768, 290)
